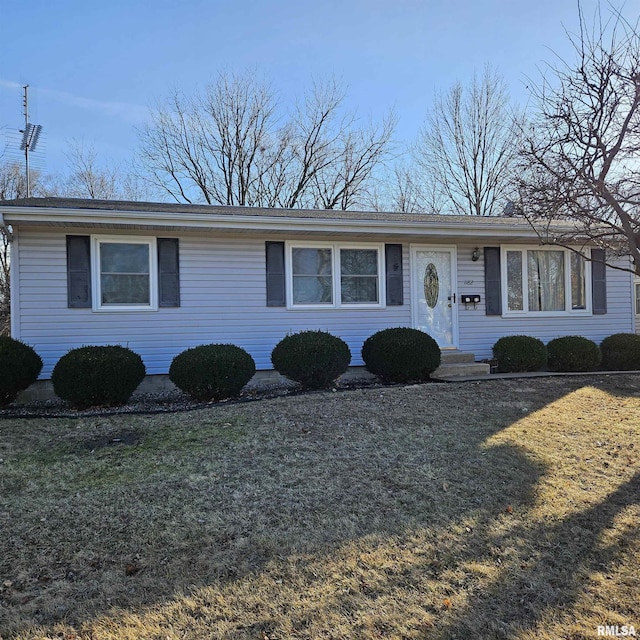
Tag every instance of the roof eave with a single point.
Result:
(240, 223)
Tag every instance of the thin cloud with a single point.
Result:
(132, 113)
(10, 85)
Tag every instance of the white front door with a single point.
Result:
(433, 293)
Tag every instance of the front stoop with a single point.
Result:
(456, 364)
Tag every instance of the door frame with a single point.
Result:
(452, 249)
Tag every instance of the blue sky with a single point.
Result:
(95, 68)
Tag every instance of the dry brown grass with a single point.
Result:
(506, 509)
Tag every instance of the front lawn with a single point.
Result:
(501, 509)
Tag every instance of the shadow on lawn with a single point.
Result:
(564, 556)
(325, 481)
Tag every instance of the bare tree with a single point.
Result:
(580, 158)
(13, 184)
(344, 182)
(88, 178)
(403, 189)
(235, 145)
(468, 146)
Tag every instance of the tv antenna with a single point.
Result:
(30, 136)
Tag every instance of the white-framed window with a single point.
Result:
(545, 281)
(124, 273)
(637, 289)
(334, 275)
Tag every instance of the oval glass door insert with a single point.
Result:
(431, 285)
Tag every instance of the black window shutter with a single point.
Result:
(394, 280)
(79, 272)
(275, 274)
(168, 272)
(492, 284)
(599, 281)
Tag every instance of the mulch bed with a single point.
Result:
(171, 401)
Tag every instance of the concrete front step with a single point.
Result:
(456, 364)
(455, 357)
(448, 370)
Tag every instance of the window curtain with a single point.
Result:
(546, 280)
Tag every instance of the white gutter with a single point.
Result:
(4, 226)
(79, 217)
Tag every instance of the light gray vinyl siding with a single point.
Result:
(223, 300)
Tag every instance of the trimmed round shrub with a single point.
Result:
(573, 353)
(20, 367)
(401, 354)
(97, 376)
(212, 371)
(621, 352)
(315, 359)
(519, 353)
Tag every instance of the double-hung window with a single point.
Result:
(334, 275)
(124, 273)
(545, 281)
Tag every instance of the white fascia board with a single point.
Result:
(5, 225)
(78, 217)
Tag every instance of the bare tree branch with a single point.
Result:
(579, 162)
(234, 145)
(88, 178)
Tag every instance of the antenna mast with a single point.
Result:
(30, 136)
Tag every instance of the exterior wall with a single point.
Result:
(223, 299)
(479, 332)
(222, 290)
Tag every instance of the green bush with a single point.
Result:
(621, 352)
(97, 376)
(573, 353)
(519, 353)
(401, 354)
(315, 359)
(212, 371)
(20, 366)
